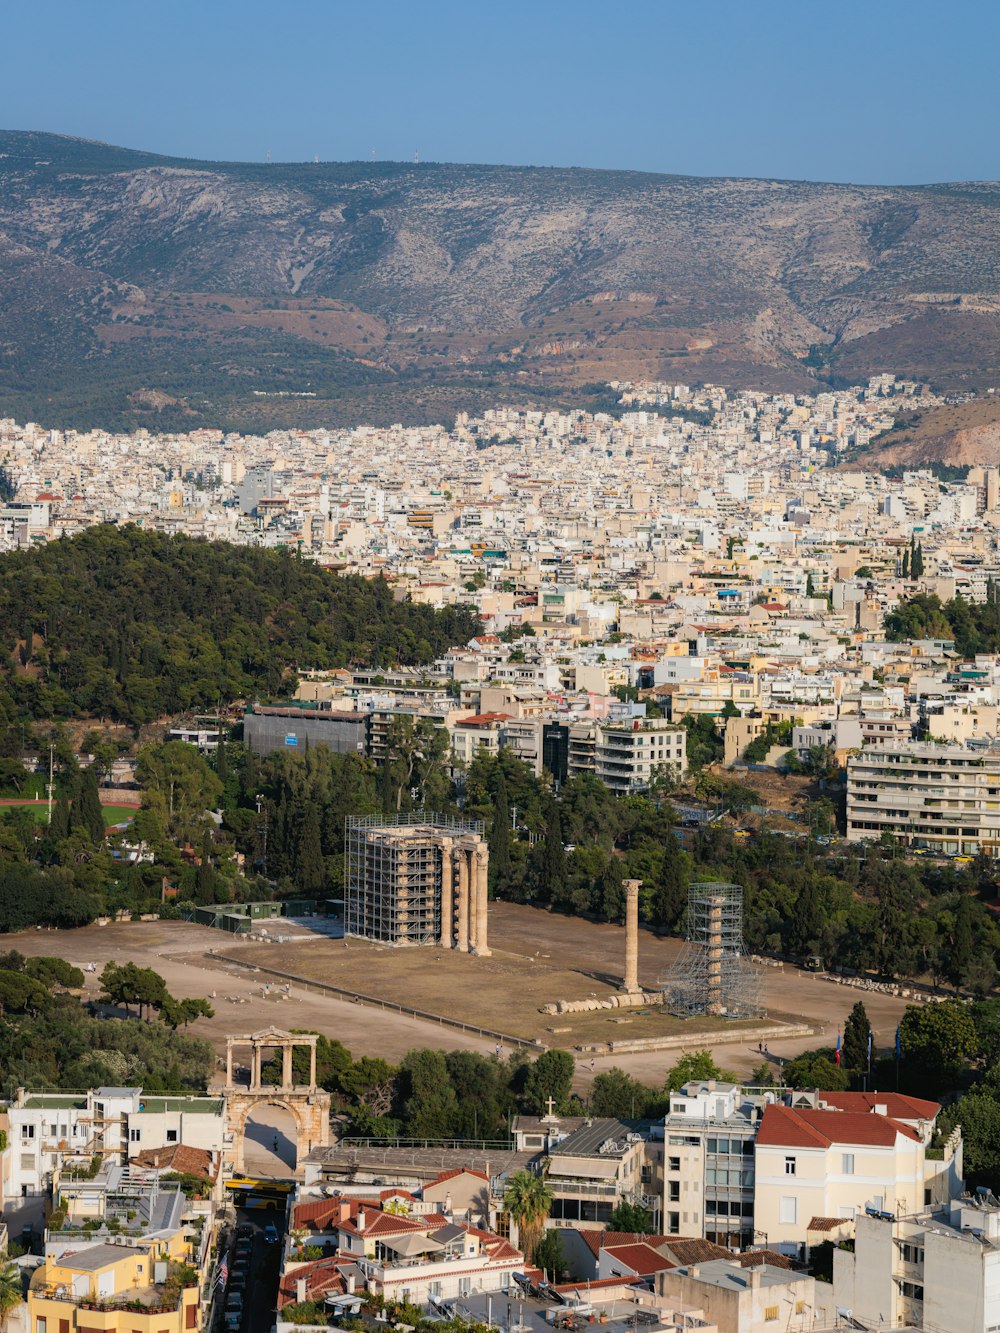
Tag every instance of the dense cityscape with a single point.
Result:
(499, 668)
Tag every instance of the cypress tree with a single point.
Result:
(554, 863)
(906, 564)
(59, 828)
(500, 863)
(670, 892)
(90, 814)
(610, 890)
(854, 1050)
(221, 762)
(310, 869)
(205, 883)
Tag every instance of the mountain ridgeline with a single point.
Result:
(128, 626)
(159, 291)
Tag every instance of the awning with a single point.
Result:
(406, 1246)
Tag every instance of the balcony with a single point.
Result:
(590, 1189)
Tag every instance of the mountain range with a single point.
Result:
(137, 289)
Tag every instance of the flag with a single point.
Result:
(899, 1046)
(869, 1048)
(836, 1053)
(222, 1272)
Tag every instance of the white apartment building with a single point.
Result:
(629, 755)
(708, 1165)
(937, 1270)
(945, 797)
(49, 1129)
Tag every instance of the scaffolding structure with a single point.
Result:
(713, 976)
(399, 880)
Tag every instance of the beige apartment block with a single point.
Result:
(832, 1163)
(936, 1270)
(762, 1299)
(942, 796)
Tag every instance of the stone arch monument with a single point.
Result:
(308, 1104)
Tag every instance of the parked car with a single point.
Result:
(271, 1234)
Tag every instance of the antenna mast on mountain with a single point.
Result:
(416, 155)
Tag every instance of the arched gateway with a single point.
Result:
(308, 1104)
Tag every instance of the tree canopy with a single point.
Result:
(130, 625)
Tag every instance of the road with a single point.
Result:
(262, 1285)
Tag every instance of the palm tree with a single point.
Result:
(528, 1199)
(11, 1292)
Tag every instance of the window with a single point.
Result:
(28, 1132)
(133, 1135)
(789, 1166)
(788, 1210)
(39, 1325)
(770, 1312)
(847, 1163)
(673, 1164)
(171, 1135)
(674, 1191)
(673, 1223)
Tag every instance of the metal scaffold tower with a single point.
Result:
(713, 975)
(398, 879)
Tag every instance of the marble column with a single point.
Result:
(312, 1064)
(473, 903)
(463, 901)
(286, 1066)
(630, 983)
(447, 897)
(482, 881)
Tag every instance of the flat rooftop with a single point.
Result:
(732, 1277)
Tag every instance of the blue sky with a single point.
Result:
(880, 91)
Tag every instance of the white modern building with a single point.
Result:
(49, 1129)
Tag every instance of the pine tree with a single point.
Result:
(554, 863)
(88, 811)
(500, 862)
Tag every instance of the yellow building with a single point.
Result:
(119, 1258)
(107, 1287)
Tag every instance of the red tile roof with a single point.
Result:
(458, 1171)
(595, 1239)
(641, 1259)
(783, 1127)
(321, 1276)
(897, 1105)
